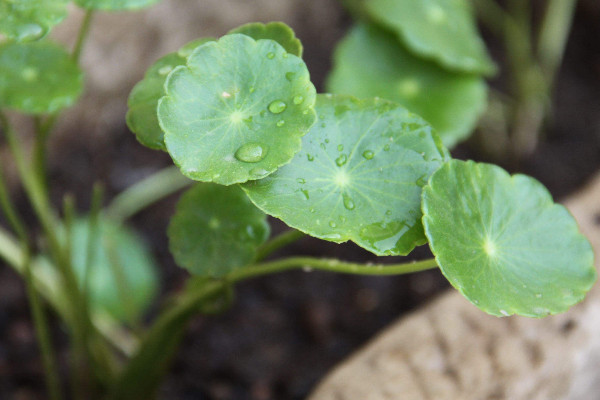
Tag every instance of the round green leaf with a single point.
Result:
(114, 5)
(370, 62)
(237, 111)
(277, 31)
(440, 30)
(216, 230)
(503, 243)
(25, 20)
(38, 77)
(122, 277)
(143, 100)
(358, 176)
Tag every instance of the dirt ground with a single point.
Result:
(284, 332)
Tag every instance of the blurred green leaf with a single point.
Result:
(370, 62)
(25, 20)
(503, 243)
(115, 5)
(237, 111)
(38, 77)
(277, 31)
(440, 30)
(358, 176)
(216, 230)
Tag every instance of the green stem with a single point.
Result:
(146, 192)
(553, 36)
(40, 321)
(278, 242)
(492, 15)
(83, 33)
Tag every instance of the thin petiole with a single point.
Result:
(83, 33)
(278, 242)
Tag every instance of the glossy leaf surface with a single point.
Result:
(370, 62)
(122, 276)
(440, 30)
(25, 20)
(115, 5)
(358, 176)
(503, 243)
(215, 230)
(277, 31)
(237, 111)
(38, 77)
(143, 100)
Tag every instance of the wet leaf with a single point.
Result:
(370, 62)
(237, 111)
(358, 176)
(114, 5)
(143, 100)
(440, 30)
(122, 277)
(216, 230)
(503, 243)
(25, 20)
(277, 31)
(38, 77)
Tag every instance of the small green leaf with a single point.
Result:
(38, 77)
(115, 5)
(358, 176)
(440, 30)
(216, 230)
(370, 62)
(237, 111)
(25, 20)
(122, 277)
(503, 243)
(277, 31)
(143, 100)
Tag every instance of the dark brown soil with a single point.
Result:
(284, 332)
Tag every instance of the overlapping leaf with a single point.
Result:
(441, 30)
(143, 100)
(215, 230)
(503, 243)
(277, 31)
(25, 20)
(358, 176)
(237, 111)
(370, 62)
(121, 277)
(38, 77)
(114, 5)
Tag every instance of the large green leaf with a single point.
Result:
(370, 62)
(25, 20)
(503, 243)
(441, 30)
(215, 230)
(277, 31)
(237, 111)
(115, 5)
(122, 276)
(38, 77)
(358, 176)
(143, 100)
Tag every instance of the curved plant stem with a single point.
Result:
(146, 192)
(492, 15)
(278, 242)
(83, 33)
(331, 265)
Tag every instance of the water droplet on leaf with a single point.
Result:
(290, 76)
(341, 160)
(348, 203)
(309, 157)
(280, 123)
(340, 147)
(258, 172)
(305, 193)
(368, 154)
(270, 55)
(298, 100)
(300, 180)
(165, 70)
(386, 147)
(251, 153)
(277, 106)
(332, 224)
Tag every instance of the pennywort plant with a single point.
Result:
(247, 131)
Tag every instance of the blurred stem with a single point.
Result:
(146, 192)
(40, 321)
(492, 15)
(553, 36)
(278, 242)
(83, 33)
